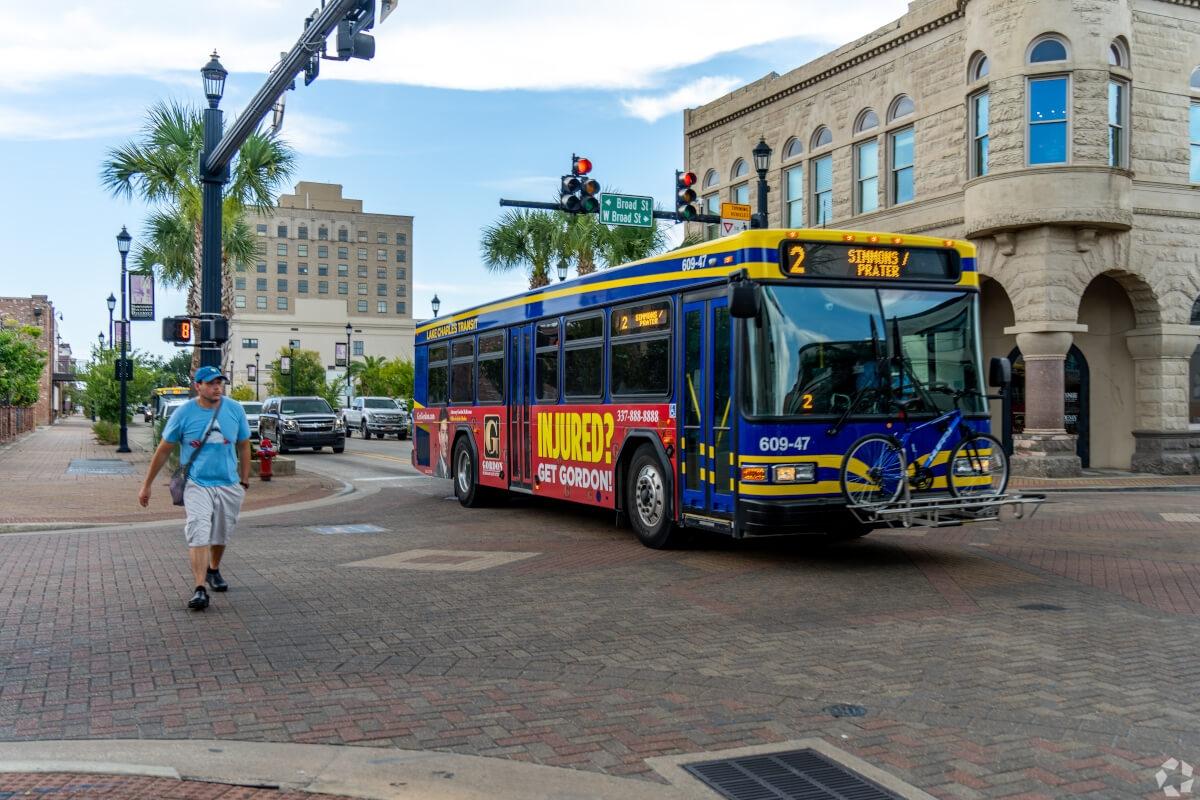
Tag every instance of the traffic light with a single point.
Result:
(214, 330)
(352, 39)
(578, 194)
(177, 330)
(685, 195)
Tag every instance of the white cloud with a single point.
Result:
(75, 123)
(469, 44)
(653, 108)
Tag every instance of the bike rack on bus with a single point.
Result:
(939, 512)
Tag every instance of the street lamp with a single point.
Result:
(256, 375)
(562, 270)
(210, 205)
(762, 163)
(112, 304)
(349, 330)
(291, 370)
(436, 305)
(123, 240)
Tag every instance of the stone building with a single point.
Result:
(1062, 137)
(323, 262)
(39, 312)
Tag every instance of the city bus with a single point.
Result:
(163, 394)
(715, 387)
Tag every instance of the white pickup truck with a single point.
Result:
(381, 416)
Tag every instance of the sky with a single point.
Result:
(465, 102)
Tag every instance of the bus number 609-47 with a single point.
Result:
(782, 444)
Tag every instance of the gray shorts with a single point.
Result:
(212, 513)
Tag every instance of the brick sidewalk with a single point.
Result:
(76, 786)
(39, 489)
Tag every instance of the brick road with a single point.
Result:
(1053, 657)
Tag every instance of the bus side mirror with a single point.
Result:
(744, 300)
(1000, 372)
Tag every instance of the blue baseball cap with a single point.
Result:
(206, 374)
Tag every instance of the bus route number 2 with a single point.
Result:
(782, 444)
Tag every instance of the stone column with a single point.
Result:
(1044, 449)
(1161, 356)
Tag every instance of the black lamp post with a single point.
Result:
(291, 370)
(349, 330)
(210, 260)
(123, 240)
(562, 270)
(437, 304)
(256, 376)
(762, 163)
(112, 304)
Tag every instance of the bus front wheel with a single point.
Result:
(648, 501)
(466, 488)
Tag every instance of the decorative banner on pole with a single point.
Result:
(339, 354)
(285, 365)
(141, 297)
(119, 334)
(251, 373)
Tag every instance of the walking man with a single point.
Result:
(218, 479)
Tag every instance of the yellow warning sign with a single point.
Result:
(740, 211)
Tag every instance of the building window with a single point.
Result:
(822, 178)
(381, 255)
(260, 248)
(381, 273)
(302, 232)
(400, 308)
(793, 180)
(362, 306)
(343, 287)
(343, 270)
(302, 269)
(357, 347)
(362, 254)
(741, 193)
(343, 252)
(740, 169)
(302, 287)
(402, 291)
(281, 285)
(712, 205)
(362, 270)
(260, 302)
(867, 120)
(900, 108)
(239, 301)
(401, 238)
(281, 231)
(261, 266)
(302, 250)
(979, 68)
(322, 287)
(866, 181)
(1048, 120)
(821, 137)
(281, 303)
(260, 284)
(1118, 104)
(239, 283)
(249, 344)
(343, 235)
(322, 251)
(401, 256)
(262, 229)
(1194, 370)
(1047, 49)
(294, 344)
(1194, 137)
(322, 269)
(281, 249)
(281, 268)
(381, 290)
(322, 233)
(362, 288)
(978, 104)
(902, 166)
(239, 267)
(1118, 54)
(381, 307)
(362, 236)
(381, 238)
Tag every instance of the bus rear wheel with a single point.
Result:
(648, 501)
(466, 488)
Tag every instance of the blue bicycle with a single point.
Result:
(877, 468)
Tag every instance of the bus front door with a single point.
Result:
(706, 445)
(520, 363)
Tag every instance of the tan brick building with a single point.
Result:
(322, 262)
(1063, 139)
(39, 312)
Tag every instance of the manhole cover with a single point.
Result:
(1041, 607)
(794, 775)
(99, 466)
(334, 530)
(845, 710)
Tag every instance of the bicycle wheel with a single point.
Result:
(978, 467)
(873, 471)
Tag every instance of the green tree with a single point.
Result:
(161, 168)
(397, 378)
(21, 364)
(308, 377)
(334, 391)
(102, 392)
(368, 375)
(241, 392)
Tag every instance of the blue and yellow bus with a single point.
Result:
(700, 388)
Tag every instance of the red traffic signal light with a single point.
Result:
(578, 192)
(685, 195)
(580, 165)
(687, 178)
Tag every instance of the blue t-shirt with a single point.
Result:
(216, 463)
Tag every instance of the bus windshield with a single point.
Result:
(817, 348)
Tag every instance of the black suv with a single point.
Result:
(301, 422)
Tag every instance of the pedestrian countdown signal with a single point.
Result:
(177, 330)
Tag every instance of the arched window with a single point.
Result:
(1194, 374)
(1118, 53)
(711, 178)
(867, 119)
(1047, 48)
(792, 149)
(902, 106)
(1195, 81)
(979, 67)
(821, 137)
(740, 169)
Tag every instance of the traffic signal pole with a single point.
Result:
(712, 219)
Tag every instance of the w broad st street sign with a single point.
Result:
(627, 209)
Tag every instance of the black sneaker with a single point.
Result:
(199, 600)
(215, 580)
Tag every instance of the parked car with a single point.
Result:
(253, 408)
(381, 416)
(301, 422)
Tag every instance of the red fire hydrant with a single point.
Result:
(266, 454)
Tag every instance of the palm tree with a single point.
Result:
(370, 374)
(161, 167)
(530, 239)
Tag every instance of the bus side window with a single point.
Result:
(438, 375)
(583, 357)
(548, 339)
(640, 364)
(490, 376)
(462, 371)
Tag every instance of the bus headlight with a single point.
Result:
(977, 465)
(805, 472)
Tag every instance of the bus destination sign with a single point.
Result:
(858, 261)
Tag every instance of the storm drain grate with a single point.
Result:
(845, 710)
(794, 775)
(99, 466)
(333, 530)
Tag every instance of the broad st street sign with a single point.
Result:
(627, 209)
